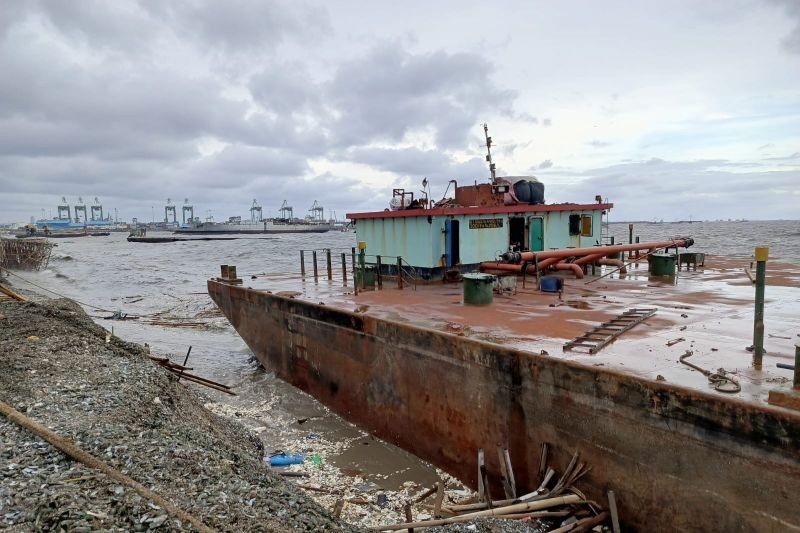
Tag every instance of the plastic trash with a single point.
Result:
(317, 461)
(285, 459)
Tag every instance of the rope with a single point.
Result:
(59, 294)
(69, 448)
(719, 379)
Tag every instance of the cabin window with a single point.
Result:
(586, 226)
(574, 224)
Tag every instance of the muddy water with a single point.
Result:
(109, 275)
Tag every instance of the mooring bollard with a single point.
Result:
(761, 255)
(344, 268)
(314, 260)
(399, 272)
(223, 271)
(378, 276)
(302, 264)
(330, 263)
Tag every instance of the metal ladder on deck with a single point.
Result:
(598, 337)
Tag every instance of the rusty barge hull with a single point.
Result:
(678, 459)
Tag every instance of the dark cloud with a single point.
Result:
(792, 8)
(390, 92)
(545, 164)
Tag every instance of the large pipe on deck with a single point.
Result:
(514, 267)
(576, 269)
(519, 257)
(615, 263)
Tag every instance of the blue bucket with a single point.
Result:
(551, 284)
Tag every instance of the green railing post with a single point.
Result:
(330, 263)
(797, 366)
(399, 272)
(362, 257)
(303, 264)
(761, 255)
(314, 260)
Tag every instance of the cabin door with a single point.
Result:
(536, 232)
(516, 233)
(452, 254)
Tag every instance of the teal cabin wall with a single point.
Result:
(420, 240)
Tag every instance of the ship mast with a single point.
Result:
(489, 153)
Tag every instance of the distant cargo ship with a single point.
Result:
(286, 223)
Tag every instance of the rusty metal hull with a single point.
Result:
(677, 459)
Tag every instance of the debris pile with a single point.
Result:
(25, 254)
(555, 506)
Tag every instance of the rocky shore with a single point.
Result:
(62, 370)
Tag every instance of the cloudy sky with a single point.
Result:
(670, 108)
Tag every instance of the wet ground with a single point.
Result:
(708, 312)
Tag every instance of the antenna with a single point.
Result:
(489, 152)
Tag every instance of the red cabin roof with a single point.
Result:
(504, 209)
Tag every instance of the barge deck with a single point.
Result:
(441, 379)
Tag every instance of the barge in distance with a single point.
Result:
(285, 223)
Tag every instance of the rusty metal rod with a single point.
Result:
(186, 360)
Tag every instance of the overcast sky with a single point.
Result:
(669, 109)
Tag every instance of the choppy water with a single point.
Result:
(142, 279)
(724, 238)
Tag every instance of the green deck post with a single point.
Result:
(797, 366)
(329, 263)
(399, 272)
(362, 256)
(761, 255)
(302, 264)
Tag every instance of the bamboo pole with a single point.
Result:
(68, 447)
(497, 511)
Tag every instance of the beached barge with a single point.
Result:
(443, 379)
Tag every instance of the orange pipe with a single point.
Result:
(571, 266)
(589, 259)
(516, 267)
(593, 250)
(614, 262)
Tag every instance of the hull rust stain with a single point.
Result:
(676, 458)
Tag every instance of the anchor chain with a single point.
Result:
(720, 380)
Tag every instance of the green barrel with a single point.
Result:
(369, 277)
(662, 264)
(478, 288)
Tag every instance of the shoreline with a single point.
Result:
(105, 395)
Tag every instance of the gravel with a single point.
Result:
(65, 372)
